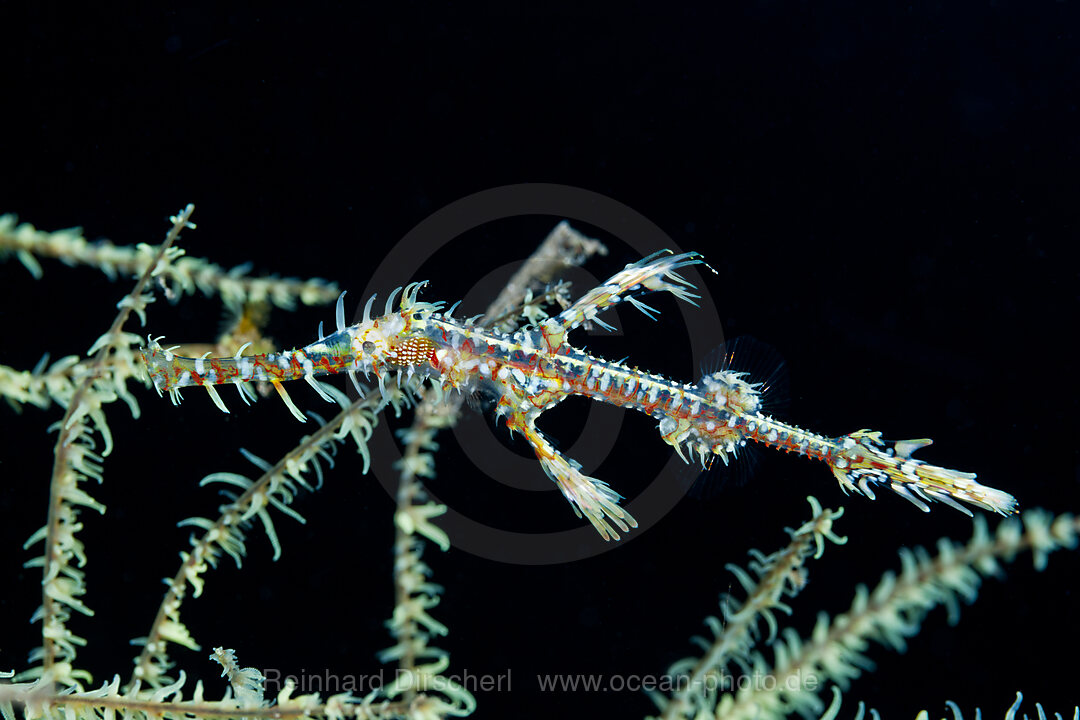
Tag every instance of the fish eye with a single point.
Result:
(368, 346)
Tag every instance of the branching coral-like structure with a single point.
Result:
(791, 675)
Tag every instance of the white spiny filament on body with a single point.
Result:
(535, 368)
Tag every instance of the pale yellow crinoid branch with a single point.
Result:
(235, 286)
(888, 614)
(783, 573)
(75, 461)
(275, 488)
(412, 625)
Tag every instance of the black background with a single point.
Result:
(888, 196)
